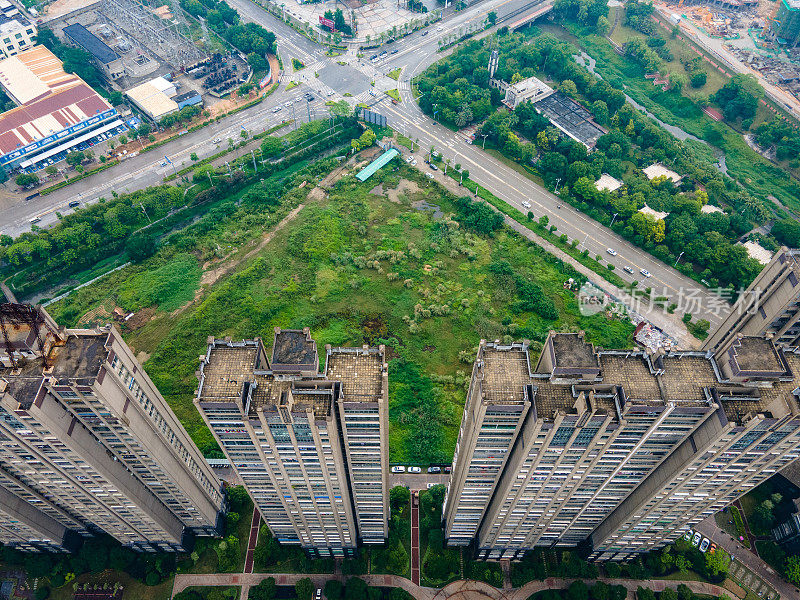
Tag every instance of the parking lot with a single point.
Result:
(746, 578)
(88, 144)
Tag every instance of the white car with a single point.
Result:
(319, 593)
(277, 109)
(409, 159)
(696, 540)
(430, 485)
(705, 544)
(645, 272)
(611, 251)
(627, 269)
(414, 470)
(164, 163)
(216, 141)
(439, 28)
(398, 469)
(526, 204)
(428, 174)
(688, 535)
(414, 163)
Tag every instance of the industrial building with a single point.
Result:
(106, 59)
(154, 98)
(56, 111)
(311, 447)
(770, 306)
(528, 90)
(16, 30)
(91, 444)
(618, 451)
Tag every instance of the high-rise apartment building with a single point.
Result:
(621, 450)
(86, 439)
(770, 307)
(309, 446)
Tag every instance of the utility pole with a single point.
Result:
(253, 153)
(308, 109)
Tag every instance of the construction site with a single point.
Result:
(751, 36)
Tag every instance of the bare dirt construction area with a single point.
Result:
(403, 189)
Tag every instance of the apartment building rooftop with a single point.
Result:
(293, 349)
(632, 372)
(361, 372)
(227, 366)
(757, 357)
(504, 373)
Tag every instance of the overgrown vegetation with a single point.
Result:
(705, 242)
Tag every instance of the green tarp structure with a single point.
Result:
(376, 164)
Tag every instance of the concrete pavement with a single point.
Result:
(415, 558)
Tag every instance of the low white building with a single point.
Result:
(757, 251)
(659, 170)
(656, 214)
(607, 182)
(710, 208)
(154, 98)
(531, 89)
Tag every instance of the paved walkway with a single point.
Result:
(458, 590)
(251, 543)
(415, 538)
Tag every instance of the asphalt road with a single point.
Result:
(324, 75)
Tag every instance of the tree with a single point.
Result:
(365, 141)
(739, 97)
(678, 82)
(569, 88)
(578, 590)
(492, 17)
(717, 563)
(193, 156)
(698, 79)
(643, 593)
(603, 26)
(762, 517)
(140, 246)
(265, 590)
(793, 569)
(304, 589)
(356, 589)
(75, 158)
(51, 170)
(333, 589)
(26, 180)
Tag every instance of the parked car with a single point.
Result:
(705, 544)
(611, 251)
(526, 204)
(395, 51)
(434, 167)
(696, 539)
(688, 535)
(434, 469)
(645, 272)
(414, 470)
(398, 469)
(430, 485)
(319, 593)
(428, 174)
(713, 548)
(627, 269)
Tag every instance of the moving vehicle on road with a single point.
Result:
(277, 109)
(398, 469)
(645, 272)
(216, 141)
(414, 470)
(704, 544)
(319, 593)
(611, 251)
(74, 204)
(424, 33)
(696, 539)
(627, 269)
(526, 204)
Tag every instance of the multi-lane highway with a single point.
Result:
(361, 79)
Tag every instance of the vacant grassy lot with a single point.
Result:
(376, 262)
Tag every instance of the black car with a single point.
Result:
(74, 204)
(424, 33)
(395, 51)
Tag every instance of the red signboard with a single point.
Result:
(326, 22)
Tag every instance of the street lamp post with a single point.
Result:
(612, 219)
(484, 136)
(679, 257)
(558, 180)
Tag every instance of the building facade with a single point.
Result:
(622, 451)
(769, 307)
(88, 440)
(309, 446)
